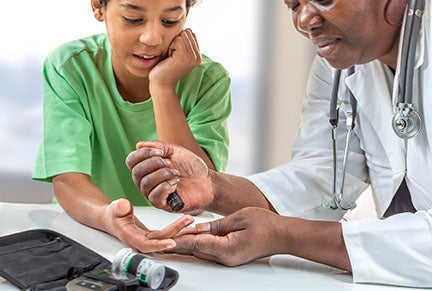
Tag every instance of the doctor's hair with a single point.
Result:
(189, 3)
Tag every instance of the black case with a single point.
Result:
(43, 259)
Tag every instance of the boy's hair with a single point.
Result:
(189, 3)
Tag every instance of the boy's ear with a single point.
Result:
(98, 9)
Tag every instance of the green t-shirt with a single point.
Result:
(90, 129)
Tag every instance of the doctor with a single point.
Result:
(280, 211)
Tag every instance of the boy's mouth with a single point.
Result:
(147, 57)
(146, 60)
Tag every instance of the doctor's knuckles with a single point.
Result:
(159, 168)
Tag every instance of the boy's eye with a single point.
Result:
(132, 21)
(170, 22)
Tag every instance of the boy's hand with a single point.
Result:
(120, 221)
(183, 56)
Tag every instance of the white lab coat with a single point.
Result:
(396, 250)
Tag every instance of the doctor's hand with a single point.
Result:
(159, 168)
(183, 56)
(119, 220)
(248, 234)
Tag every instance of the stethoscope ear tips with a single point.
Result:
(351, 206)
(327, 205)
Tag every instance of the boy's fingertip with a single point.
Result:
(188, 219)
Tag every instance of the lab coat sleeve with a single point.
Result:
(396, 250)
(298, 187)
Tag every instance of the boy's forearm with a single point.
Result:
(171, 123)
(81, 199)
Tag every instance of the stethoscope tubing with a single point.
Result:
(414, 35)
(350, 124)
(404, 105)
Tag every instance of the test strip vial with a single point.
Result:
(149, 273)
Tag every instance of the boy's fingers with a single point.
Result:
(173, 229)
(149, 246)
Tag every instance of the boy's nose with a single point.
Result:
(151, 36)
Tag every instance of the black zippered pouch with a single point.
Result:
(43, 259)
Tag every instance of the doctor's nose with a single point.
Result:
(150, 36)
(308, 19)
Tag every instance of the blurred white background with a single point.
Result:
(227, 32)
(254, 39)
(29, 30)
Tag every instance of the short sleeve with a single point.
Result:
(208, 118)
(66, 145)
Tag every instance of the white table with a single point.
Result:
(281, 272)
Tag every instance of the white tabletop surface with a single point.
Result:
(281, 272)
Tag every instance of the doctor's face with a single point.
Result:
(348, 32)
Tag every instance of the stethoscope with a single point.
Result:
(406, 120)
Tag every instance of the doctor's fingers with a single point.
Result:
(225, 225)
(158, 185)
(142, 154)
(209, 247)
(166, 148)
(149, 166)
(153, 144)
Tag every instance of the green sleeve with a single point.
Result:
(208, 118)
(65, 145)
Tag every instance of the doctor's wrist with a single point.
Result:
(214, 204)
(319, 241)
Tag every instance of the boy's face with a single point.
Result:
(141, 31)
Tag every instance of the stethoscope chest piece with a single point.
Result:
(406, 121)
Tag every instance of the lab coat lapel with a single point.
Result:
(371, 87)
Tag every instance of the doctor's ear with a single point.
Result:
(98, 7)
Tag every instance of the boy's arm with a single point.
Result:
(171, 123)
(87, 204)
